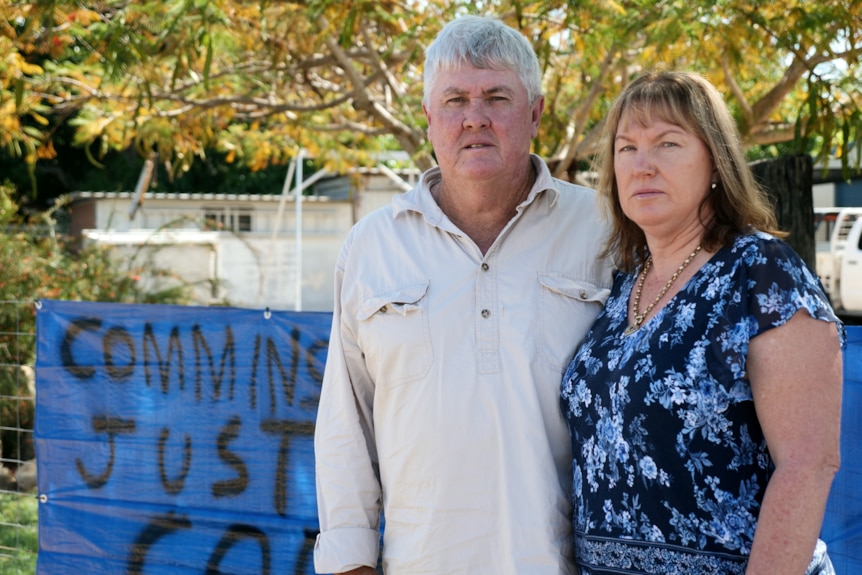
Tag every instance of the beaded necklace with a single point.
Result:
(640, 316)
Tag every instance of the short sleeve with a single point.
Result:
(775, 283)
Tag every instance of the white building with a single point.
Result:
(239, 250)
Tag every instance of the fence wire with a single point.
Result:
(18, 497)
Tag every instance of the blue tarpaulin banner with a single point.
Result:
(842, 525)
(178, 440)
(175, 439)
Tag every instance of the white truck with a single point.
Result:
(838, 239)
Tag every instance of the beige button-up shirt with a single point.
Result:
(440, 402)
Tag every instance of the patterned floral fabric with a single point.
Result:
(670, 464)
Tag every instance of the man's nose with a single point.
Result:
(476, 116)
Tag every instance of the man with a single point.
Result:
(457, 309)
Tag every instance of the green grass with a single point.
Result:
(18, 533)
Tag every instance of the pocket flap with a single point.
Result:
(400, 300)
(575, 289)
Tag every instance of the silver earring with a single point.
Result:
(713, 185)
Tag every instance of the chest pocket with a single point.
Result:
(395, 336)
(568, 308)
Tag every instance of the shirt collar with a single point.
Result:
(419, 199)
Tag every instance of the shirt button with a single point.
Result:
(384, 309)
(583, 294)
(485, 313)
(485, 266)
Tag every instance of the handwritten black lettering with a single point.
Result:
(285, 429)
(252, 387)
(235, 486)
(113, 427)
(161, 526)
(311, 352)
(115, 336)
(228, 353)
(274, 360)
(290, 383)
(310, 402)
(235, 534)
(164, 366)
(77, 326)
(174, 486)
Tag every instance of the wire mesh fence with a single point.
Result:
(18, 497)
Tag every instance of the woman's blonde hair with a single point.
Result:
(735, 206)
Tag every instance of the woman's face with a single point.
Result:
(663, 173)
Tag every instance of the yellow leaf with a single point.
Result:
(39, 118)
(620, 10)
(26, 67)
(84, 17)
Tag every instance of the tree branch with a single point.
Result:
(747, 112)
(579, 118)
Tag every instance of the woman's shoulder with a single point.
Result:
(760, 263)
(776, 279)
(760, 241)
(762, 249)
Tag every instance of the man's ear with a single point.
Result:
(536, 114)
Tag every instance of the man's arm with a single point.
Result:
(348, 486)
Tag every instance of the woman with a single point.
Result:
(704, 403)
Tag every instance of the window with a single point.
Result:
(227, 219)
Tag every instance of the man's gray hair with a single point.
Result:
(485, 43)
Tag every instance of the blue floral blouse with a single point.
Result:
(670, 463)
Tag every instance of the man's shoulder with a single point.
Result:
(389, 214)
(560, 188)
(574, 190)
(372, 224)
(381, 224)
(575, 197)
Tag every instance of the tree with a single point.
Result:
(770, 60)
(255, 81)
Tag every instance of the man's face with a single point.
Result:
(481, 123)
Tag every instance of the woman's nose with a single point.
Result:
(643, 163)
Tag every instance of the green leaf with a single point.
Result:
(19, 92)
(208, 42)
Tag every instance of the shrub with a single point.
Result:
(37, 263)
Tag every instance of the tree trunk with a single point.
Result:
(788, 182)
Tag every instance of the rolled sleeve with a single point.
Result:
(340, 550)
(348, 487)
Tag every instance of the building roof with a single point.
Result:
(265, 198)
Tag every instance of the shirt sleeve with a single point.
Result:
(346, 470)
(780, 284)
